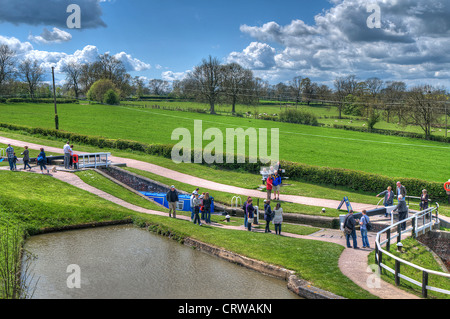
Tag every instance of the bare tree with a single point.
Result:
(159, 87)
(32, 74)
(7, 60)
(208, 78)
(345, 86)
(237, 83)
(424, 107)
(73, 74)
(393, 93)
(374, 86)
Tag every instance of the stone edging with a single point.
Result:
(295, 284)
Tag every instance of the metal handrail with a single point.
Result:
(415, 230)
(99, 159)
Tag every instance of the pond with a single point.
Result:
(125, 262)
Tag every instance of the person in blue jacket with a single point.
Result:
(42, 161)
(276, 185)
(267, 215)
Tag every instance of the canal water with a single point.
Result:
(124, 262)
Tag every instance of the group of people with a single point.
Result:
(350, 229)
(273, 183)
(200, 205)
(69, 161)
(402, 207)
(12, 159)
(275, 216)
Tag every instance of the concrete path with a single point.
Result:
(353, 262)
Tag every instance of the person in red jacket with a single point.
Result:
(269, 187)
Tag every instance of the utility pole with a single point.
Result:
(446, 122)
(54, 98)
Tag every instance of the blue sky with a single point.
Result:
(277, 39)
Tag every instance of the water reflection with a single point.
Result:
(126, 262)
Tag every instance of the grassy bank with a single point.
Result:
(417, 254)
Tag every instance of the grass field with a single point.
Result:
(386, 155)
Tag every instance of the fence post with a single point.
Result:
(397, 272)
(380, 260)
(399, 231)
(414, 222)
(388, 234)
(424, 284)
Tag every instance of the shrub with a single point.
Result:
(99, 89)
(111, 98)
(299, 117)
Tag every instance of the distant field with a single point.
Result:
(384, 155)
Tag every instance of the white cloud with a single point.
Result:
(55, 36)
(130, 63)
(412, 43)
(173, 76)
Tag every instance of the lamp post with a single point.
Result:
(54, 98)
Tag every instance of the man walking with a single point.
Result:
(350, 230)
(402, 209)
(172, 199)
(67, 155)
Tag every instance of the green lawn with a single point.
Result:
(234, 178)
(417, 254)
(387, 155)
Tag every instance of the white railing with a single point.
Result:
(94, 160)
(2, 152)
(234, 202)
(415, 230)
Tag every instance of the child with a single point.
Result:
(15, 162)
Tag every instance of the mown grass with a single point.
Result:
(234, 178)
(372, 153)
(417, 254)
(35, 202)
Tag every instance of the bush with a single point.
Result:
(111, 98)
(99, 89)
(299, 117)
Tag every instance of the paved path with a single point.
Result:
(353, 263)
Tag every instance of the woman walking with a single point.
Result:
(278, 218)
(250, 213)
(207, 207)
(26, 158)
(267, 215)
(42, 160)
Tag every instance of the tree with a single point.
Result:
(159, 87)
(7, 60)
(73, 74)
(345, 86)
(393, 94)
(100, 88)
(31, 73)
(424, 107)
(237, 83)
(207, 80)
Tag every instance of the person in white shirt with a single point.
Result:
(67, 155)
